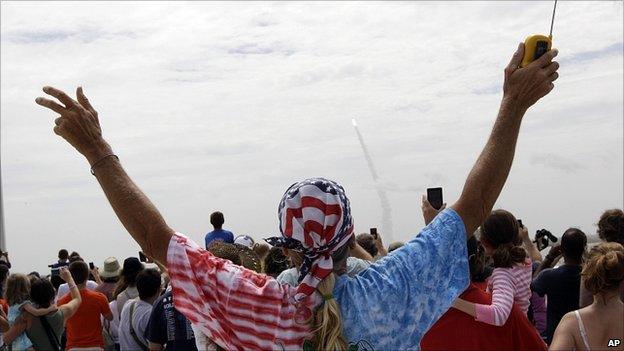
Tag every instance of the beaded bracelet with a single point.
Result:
(97, 163)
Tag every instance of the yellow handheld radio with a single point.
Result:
(537, 45)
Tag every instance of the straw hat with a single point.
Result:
(111, 268)
(238, 254)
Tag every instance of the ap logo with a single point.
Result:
(614, 342)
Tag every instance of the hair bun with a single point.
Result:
(604, 270)
(613, 265)
(507, 255)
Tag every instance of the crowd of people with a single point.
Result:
(131, 307)
(472, 279)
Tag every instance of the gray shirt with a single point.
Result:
(130, 293)
(37, 334)
(140, 320)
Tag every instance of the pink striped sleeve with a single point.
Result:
(235, 307)
(502, 299)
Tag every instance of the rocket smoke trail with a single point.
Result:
(386, 211)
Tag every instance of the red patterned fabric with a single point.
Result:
(315, 219)
(236, 308)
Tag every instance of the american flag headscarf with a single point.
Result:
(315, 220)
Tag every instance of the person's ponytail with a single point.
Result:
(507, 255)
(327, 322)
(604, 270)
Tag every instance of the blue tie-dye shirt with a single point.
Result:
(395, 301)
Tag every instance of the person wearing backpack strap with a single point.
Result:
(136, 313)
(45, 332)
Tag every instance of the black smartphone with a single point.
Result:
(520, 223)
(142, 257)
(91, 266)
(373, 232)
(434, 196)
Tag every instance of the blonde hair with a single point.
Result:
(17, 289)
(327, 321)
(604, 270)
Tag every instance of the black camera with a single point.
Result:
(543, 238)
(55, 268)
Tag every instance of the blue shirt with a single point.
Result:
(168, 326)
(219, 234)
(393, 303)
(562, 286)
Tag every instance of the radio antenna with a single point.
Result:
(552, 21)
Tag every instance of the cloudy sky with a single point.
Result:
(224, 105)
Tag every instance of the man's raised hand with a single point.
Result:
(429, 213)
(78, 123)
(525, 86)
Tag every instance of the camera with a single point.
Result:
(543, 238)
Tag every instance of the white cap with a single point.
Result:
(244, 240)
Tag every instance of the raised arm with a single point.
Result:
(96, 275)
(79, 125)
(358, 252)
(554, 254)
(522, 88)
(72, 306)
(429, 212)
(534, 253)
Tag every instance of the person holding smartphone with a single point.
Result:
(397, 298)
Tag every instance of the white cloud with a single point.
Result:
(223, 105)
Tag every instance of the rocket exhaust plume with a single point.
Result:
(386, 211)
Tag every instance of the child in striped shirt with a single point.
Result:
(511, 279)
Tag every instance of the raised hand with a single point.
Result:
(78, 123)
(428, 211)
(527, 85)
(554, 253)
(524, 233)
(65, 274)
(381, 249)
(80, 126)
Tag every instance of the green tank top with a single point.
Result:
(37, 333)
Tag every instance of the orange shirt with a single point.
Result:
(84, 329)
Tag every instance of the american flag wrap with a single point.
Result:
(315, 220)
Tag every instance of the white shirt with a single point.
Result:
(130, 293)
(140, 319)
(354, 266)
(202, 342)
(112, 327)
(64, 288)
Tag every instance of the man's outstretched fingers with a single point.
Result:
(546, 59)
(516, 59)
(64, 98)
(551, 68)
(426, 204)
(57, 130)
(51, 105)
(84, 101)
